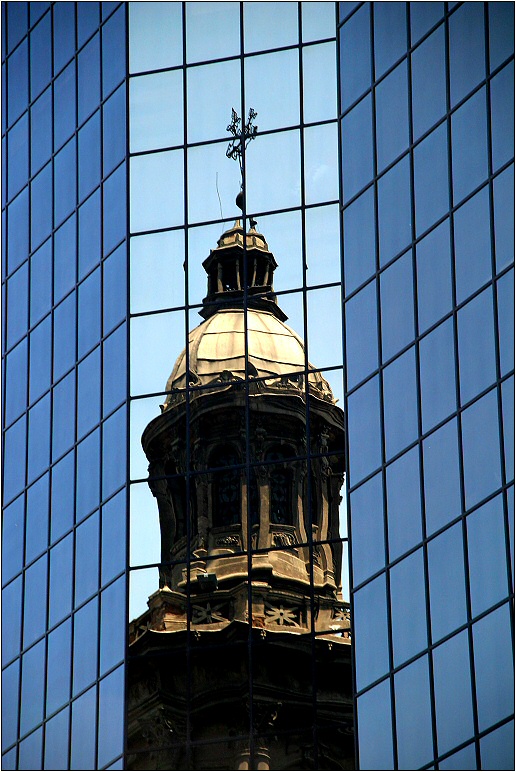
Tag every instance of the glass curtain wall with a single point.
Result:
(426, 102)
(65, 384)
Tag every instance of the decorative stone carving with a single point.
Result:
(280, 615)
(283, 539)
(228, 541)
(207, 614)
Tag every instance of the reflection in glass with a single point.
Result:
(397, 317)
(361, 335)
(368, 529)
(476, 346)
(35, 607)
(394, 221)
(408, 608)
(428, 79)
(359, 240)
(467, 57)
(325, 330)
(374, 722)
(323, 264)
(272, 83)
(472, 236)
(153, 255)
(494, 674)
(156, 190)
(469, 145)
(61, 572)
(505, 296)
(83, 731)
(85, 645)
(391, 112)
(502, 110)
(150, 336)
(212, 31)
(403, 504)
(357, 133)
(273, 166)
(497, 748)
(319, 76)
(318, 21)
(148, 51)
(145, 546)
(56, 741)
(481, 449)
(58, 664)
(400, 403)
(447, 582)
(209, 171)
(503, 186)
(501, 40)
(437, 373)
(370, 615)
(452, 684)
(265, 27)
(111, 716)
(413, 715)
(355, 57)
(486, 542)
(154, 122)
(112, 615)
(364, 431)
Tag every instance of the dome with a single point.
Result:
(217, 355)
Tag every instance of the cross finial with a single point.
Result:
(239, 142)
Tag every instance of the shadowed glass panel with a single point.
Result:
(58, 664)
(408, 608)
(364, 431)
(486, 544)
(113, 51)
(39, 438)
(469, 145)
(114, 270)
(400, 403)
(64, 336)
(392, 133)
(370, 633)
(88, 393)
(11, 618)
(64, 103)
(113, 447)
(413, 715)
(64, 34)
(502, 111)
(12, 543)
(476, 345)
(30, 751)
(396, 283)
(10, 701)
(61, 571)
(63, 418)
(18, 226)
(113, 537)
(111, 716)
(428, 78)
(17, 305)
(83, 731)
(41, 206)
(463, 759)
(447, 582)
(403, 504)
(17, 23)
(501, 39)
(40, 282)
(361, 335)
(63, 497)
(481, 449)
(368, 529)
(467, 57)
(15, 442)
(36, 527)
(503, 187)
(35, 607)
(40, 57)
(113, 130)
(494, 674)
(497, 748)
(112, 637)
(394, 221)
(437, 374)
(88, 156)
(374, 721)
(16, 382)
(452, 684)
(88, 78)
(472, 236)
(85, 645)
(508, 421)
(359, 240)
(357, 142)
(56, 741)
(65, 258)
(88, 475)
(89, 312)
(390, 35)
(86, 558)
(505, 295)
(355, 57)
(114, 202)
(431, 179)
(41, 131)
(17, 83)
(17, 157)
(114, 369)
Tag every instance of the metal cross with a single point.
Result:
(241, 137)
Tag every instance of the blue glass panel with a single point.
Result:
(469, 145)
(413, 715)
(494, 674)
(31, 751)
(442, 481)
(64, 34)
(16, 382)
(154, 124)
(33, 684)
(65, 181)
(65, 258)
(12, 544)
(390, 35)
(61, 571)
(400, 403)
(359, 240)
(367, 529)
(112, 636)
(114, 130)
(36, 526)
(361, 335)
(17, 310)
(41, 131)
(434, 276)
(14, 459)
(453, 708)
(59, 666)
(115, 288)
(467, 55)
(36, 11)
(486, 551)
(83, 731)
(88, 393)
(85, 646)
(107, 7)
(437, 373)
(321, 163)
(88, 19)
(64, 103)
(205, 19)
(501, 38)
(64, 336)
(505, 293)
(18, 230)
(35, 608)
(89, 234)
(17, 83)
(319, 79)
(392, 113)
(88, 475)
(86, 559)
(63, 496)
(41, 282)
(508, 420)
(113, 536)
(17, 21)
(56, 741)
(355, 57)
(497, 748)
(113, 450)
(319, 22)
(503, 186)
(365, 451)
(39, 438)
(40, 57)
(472, 245)
(115, 210)
(357, 142)
(9, 758)
(374, 722)
(463, 759)
(447, 583)
(89, 156)
(11, 618)
(394, 220)
(115, 370)
(403, 504)
(113, 52)
(408, 608)
(397, 318)
(476, 345)
(148, 51)
(41, 206)
(111, 716)
(431, 179)
(63, 420)
(88, 71)
(423, 16)
(89, 312)
(502, 111)
(18, 156)
(370, 634)
(10, 685)
(344, 9)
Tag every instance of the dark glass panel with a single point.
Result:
(469, 145)
(437, 373)
(497, 748)
(503, 186)
(16, 382)
(36, 524)
(403, 504)
(115, 387)
(83, 730)
(12, 544)
(431, 179)
(408, 608)
(89, 234)
(344, 9)
(397, 318)
(502, 111)
(64, 103)
(113, 52)
(357, 133)
(112, 636)
(88, 393)
(494, 669)
(400, 403)
(86, 559)
(36, 11)
(508, 421)
(17, 21)
(85, 646)
(394, 220)
(56, 741)
(434, 276)
(41, 282)
(59, 666)
(481, 448)
(31, 750)
(11, 620)
(64, 34)
(111, 716)
(355, 57)
(476, 345)
(41, 131)
(17, 83)
(18, 230)
(505, 294)
(10, 686)
(88, 475)
(371, 642)
(392, 135)
(442, 482)
(115, 210)
(447, 582)
(367, 529)
(88, 72)
(203, 19)
(63, 496)
(113, 536)
(472, 236)
(390, 35)
(65, 258)
(114, 130)
(146, 50)
(65, 180)
(17, 156)
(501, 37)
(35, 606)
(41, 206)
(361, 335)
(63, 421)
(413, 715)
(359, 240)
(33, 685)
(423, 16)
(115, 288)
(88, 19)
(365, 450)
(467, 55)
(374, 722)
(40, 57)
(89, 156)
(428, 80)
(39, 438)
(14, 459)
(61, 571)
(64, 336)
(113, 452)
(486, 546)
(17, 305)
(453, 707)
(89, 312)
